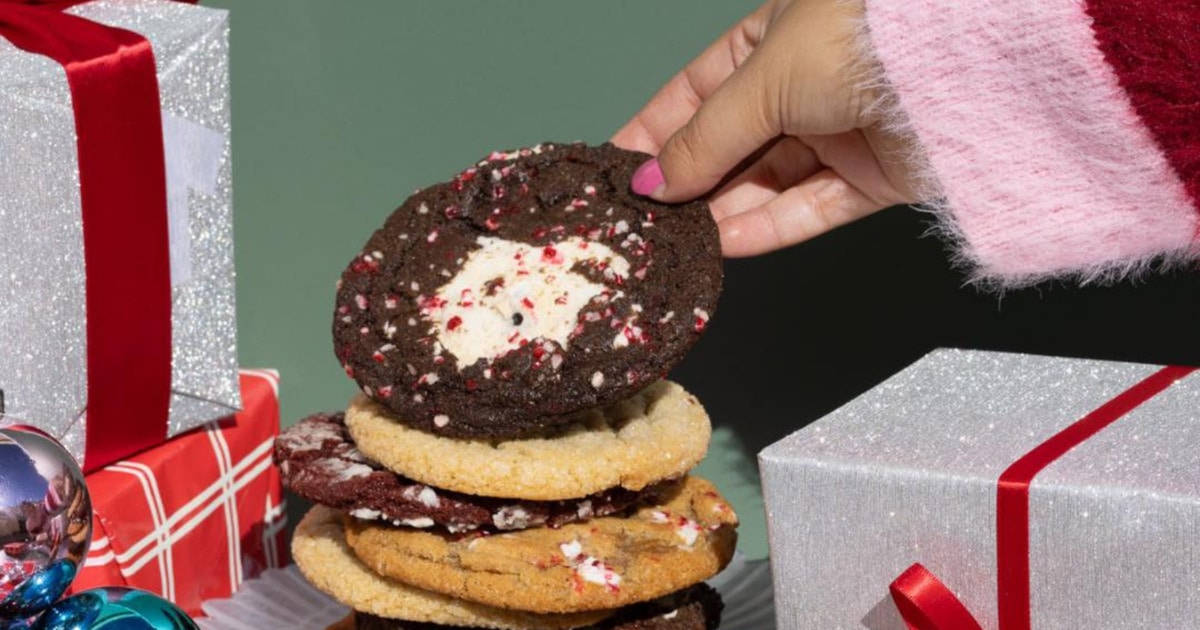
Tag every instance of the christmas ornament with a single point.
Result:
(45, 522)
(114, 608)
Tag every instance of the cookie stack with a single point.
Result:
(515, 459)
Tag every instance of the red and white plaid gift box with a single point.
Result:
(193, 518)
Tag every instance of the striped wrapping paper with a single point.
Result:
(195, 517)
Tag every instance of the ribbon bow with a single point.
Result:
(925, 603)
(123, 194)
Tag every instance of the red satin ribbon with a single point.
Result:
(926, 603)
(123, 192)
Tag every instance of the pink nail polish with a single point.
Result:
(648, 179)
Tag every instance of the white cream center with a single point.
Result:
(508, 294)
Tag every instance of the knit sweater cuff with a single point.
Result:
(1043, 165)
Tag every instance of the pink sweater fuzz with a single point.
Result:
(1043, 165)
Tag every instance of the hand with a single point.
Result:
(774, 119)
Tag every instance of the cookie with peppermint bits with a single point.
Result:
(685, 537)
(533, 285)
(327, 562)
(319, 461)
(696, 608)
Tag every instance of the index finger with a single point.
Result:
(674, 104)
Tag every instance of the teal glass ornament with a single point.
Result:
(38, 591)
(114, 608)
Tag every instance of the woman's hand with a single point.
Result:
(775, 119)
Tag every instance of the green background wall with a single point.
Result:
(341, 109)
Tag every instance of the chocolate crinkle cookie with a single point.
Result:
(531, 286)
(319, 461)
(696, 608)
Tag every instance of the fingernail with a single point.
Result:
(648, 179)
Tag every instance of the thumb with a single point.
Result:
(739, 118)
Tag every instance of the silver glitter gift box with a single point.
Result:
(43, 367)
(908, 472)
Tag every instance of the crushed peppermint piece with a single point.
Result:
(441, 420)
(589, 568)
(571, 549)
(597, 380)
(688, 530)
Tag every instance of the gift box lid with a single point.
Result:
(971, 414)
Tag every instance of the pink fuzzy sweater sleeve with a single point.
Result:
(1063, 137)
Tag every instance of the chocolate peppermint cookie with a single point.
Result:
(319, 461)
(533, 285)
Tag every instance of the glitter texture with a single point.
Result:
(42, 293)
(907, 473)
